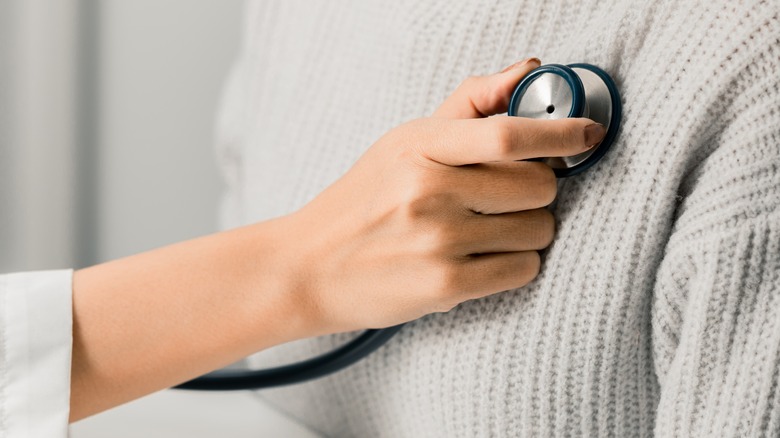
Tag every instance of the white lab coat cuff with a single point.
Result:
(37, 335)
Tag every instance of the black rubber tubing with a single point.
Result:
(318, 366)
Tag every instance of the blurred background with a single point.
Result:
(107, 110)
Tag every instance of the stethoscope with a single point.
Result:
(552, 91)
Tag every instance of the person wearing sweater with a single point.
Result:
(366, 187)
(657, 309)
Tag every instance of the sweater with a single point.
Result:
(657, 309)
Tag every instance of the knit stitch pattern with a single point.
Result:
(657, 311)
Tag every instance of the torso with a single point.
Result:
(571, 353)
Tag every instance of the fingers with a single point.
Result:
(482, 96)
(509, 232)
(498, 188)
(461, 142)
(491, 273)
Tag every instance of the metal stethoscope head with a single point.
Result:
(555, 91)
(551, 91)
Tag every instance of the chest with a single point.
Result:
(324, 80)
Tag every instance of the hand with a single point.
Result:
(438, 211)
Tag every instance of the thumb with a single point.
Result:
(482, 96)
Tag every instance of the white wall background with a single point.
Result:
(160, 68)
(107, 110)
(38, 126)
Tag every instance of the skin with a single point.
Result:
(438, 211)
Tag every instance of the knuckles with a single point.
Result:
(546, 227)
(571, 134)
(422, 199)
(543, 182)
(435, 234)
(532, 265)
(506, 138)
(447, 291)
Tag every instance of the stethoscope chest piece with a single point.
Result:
(556, 91)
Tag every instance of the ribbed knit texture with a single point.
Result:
(658, 306)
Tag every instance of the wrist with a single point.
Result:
(282, 308)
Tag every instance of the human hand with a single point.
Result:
(438, 211)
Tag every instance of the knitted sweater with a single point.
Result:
(657, 310)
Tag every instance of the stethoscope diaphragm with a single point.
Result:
(555, 91)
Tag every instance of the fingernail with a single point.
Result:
(594, 133)
(522, 63)
(536, 61)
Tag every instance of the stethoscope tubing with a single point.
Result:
(316, 367)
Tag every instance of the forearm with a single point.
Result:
(156, 319)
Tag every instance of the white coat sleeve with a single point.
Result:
(36, 326)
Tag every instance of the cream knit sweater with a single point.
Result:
(658, 307)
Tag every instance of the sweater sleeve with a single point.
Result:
(35, 354)
(716, 302)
